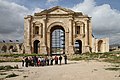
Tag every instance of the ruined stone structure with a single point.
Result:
(11, 47)
(75, 27)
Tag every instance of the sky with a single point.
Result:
(105, 16)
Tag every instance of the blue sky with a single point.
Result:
(105, 16)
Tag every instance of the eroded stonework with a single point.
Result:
(76, 26)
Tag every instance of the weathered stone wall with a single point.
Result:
(11, 47)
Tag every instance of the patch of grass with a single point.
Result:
(8, 67)
(115, 65)
(21, 55)
(11, 75)
(113, 57)
(114, 69)
(3, 73)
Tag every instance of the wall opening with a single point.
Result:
(36, 46)
(4, 48)
(57, 40)
(78, 47)
(100, 47)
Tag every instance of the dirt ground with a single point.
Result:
(74, 70)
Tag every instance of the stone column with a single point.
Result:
(90, 32)
(71, 51)
(48, 43)
(74, 30)
(86, 45)
(43, 47)
(40, 29)
(27, 35)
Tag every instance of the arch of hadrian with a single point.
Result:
(76, 26)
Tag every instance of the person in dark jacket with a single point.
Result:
(23, 61)
(26, 62)
(56, 59)
(60, 58)
(51, 60)
(65, 58)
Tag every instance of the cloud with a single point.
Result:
(105, 20)
(11, 20)
(36, 10)
(52, 0)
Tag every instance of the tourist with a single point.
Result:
(23, 60)
(42, 61)
(26, 61)
(60, 58)
(39, 61)
(56, 59)
(35, 60)
(51, 60)
(48, 58)
(65, 58)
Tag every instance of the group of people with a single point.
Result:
(43, 61)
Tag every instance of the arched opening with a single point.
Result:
(36, 30)
(36, 46)
(57, 40)
(15, 49)
(100, 43)
(77, 29)
(78, 47)
(4, 48)
(11, 47)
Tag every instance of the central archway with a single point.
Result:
(36, 46)
(57, 40)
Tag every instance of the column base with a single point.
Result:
(71, 50)
(87, 49)
(43, 50)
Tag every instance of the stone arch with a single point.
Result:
(15, 48)
(57, 40)
(59, 24)
(36, 46)
(100, 46)
(66, 29)
(78, 46)
(36, 30)
(10, 47)
(4, 48)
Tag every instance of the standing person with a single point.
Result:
(39, 61)
(56, 59)
(34, 61)
(65, 57)
(23, 60)
(26, 61)
(48, 58)
(51, 60)
(60, 58)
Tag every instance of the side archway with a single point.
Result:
(36, 46)
(4, 48)
(100, 45)
(78, 47)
